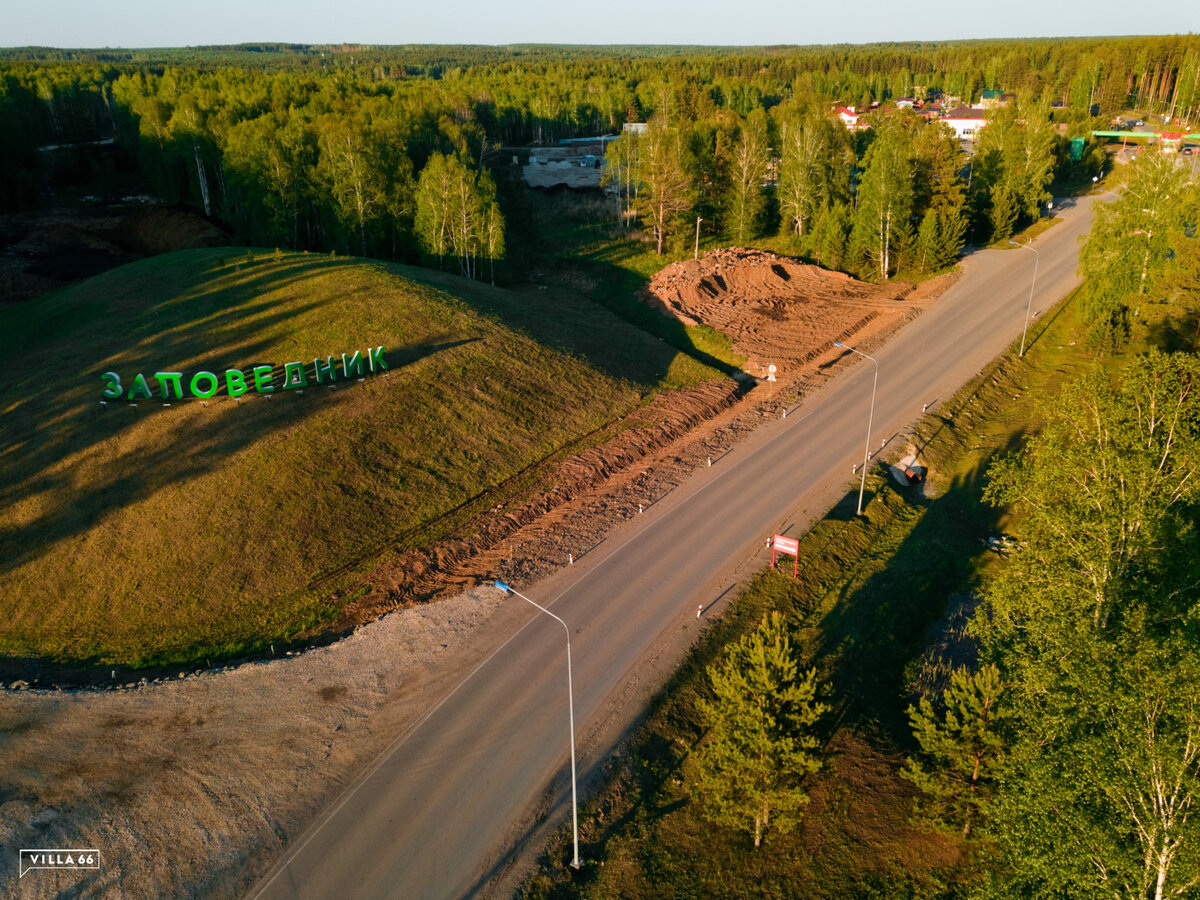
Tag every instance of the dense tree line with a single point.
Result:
(1142, 248)
(325, 147)
(1094, 628)
(1069, 757)
(890, 198)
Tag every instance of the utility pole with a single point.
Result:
(696, 251)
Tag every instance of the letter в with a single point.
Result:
(235, 382)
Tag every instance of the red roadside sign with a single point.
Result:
(788, 546)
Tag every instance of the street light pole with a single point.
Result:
(870, 421)
(1029, 305)
(576, 863)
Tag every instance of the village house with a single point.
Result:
(965, 121)
(849, 117)
(995, 99)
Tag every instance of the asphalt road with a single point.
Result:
(483, 774)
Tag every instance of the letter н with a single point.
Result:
(320, 371)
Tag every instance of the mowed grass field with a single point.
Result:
(154, 535)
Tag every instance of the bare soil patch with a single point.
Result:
(50, 249)
(191, 784)
(775, 309)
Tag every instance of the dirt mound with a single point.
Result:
(49, 249)
(775, 309)
(150, 230)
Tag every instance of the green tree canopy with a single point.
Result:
(961, 748)
(750, 768)
(1095, 624)
(665, 191)
(1138, 241)
(885, 198)
(457, 215)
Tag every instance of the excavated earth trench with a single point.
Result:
(776, 310)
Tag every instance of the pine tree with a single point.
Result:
(939, 198)
(750, 768)
(961, 748)
(832, 229)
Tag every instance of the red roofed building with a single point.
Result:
(849, 117)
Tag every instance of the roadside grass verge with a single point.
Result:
(156, 535)
(872, 599)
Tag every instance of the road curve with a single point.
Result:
(484, 771)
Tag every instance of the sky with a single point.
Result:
(172, 23)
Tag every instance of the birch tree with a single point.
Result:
(1093, 624)
(665, 190)
(885, 200)
(620, 175)
(747, 171)
(457, 214)
(813, 170)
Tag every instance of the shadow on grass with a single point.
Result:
(876, 627)
(555, 236)
(1179, 333)
(71, 463)
(620, 296)
(52, 418)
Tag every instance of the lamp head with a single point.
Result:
(500, 585)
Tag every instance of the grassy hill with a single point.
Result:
(153, 534)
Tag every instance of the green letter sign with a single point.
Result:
(204, 384)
